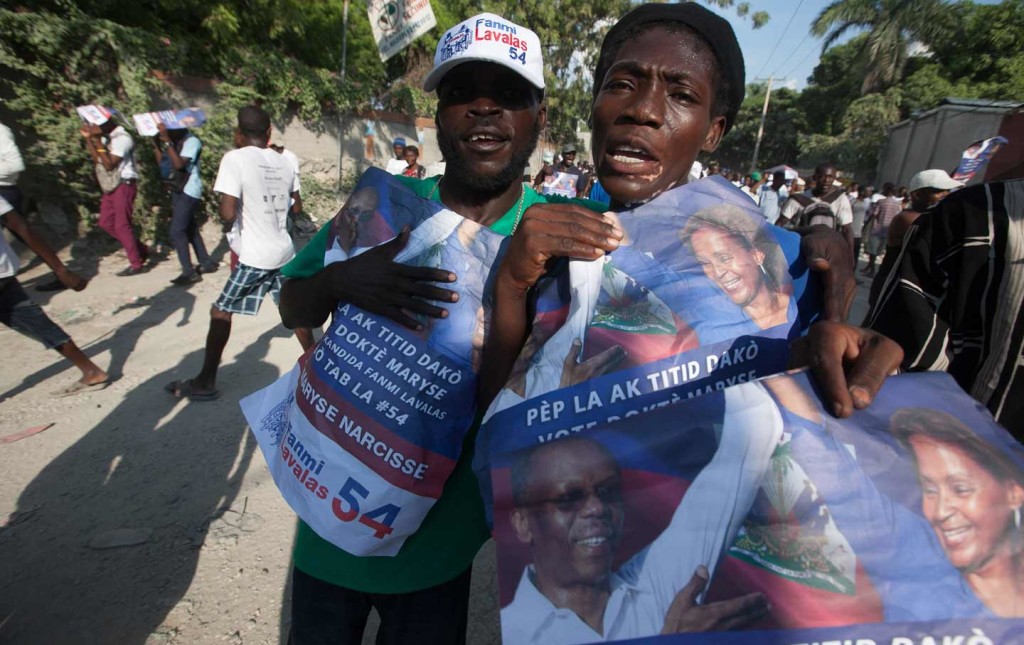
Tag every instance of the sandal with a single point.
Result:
(183, 390)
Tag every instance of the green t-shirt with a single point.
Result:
(454, 529)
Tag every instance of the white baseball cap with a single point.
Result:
(937, 179)
(491, 39)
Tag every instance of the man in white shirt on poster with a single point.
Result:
(568, 506)
(256, 186)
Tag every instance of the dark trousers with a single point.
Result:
(116, 219)
(856, 251)
(185, 231)
(325, 614)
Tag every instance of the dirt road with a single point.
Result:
(205, 537)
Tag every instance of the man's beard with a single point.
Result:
(458, 166)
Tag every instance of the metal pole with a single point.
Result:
(760, 129)
(344, 40)
(341, 118)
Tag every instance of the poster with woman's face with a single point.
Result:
(701, 294)
(754, 514)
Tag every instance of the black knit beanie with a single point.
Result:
(708, 25)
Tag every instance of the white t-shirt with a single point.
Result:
(396, 166)
(703, 527)
(9, 264)
(120, 144)
(294, 162)
(11, 163)
(262, 181)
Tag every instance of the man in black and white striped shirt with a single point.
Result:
(954, 300)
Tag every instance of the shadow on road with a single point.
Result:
(120, 342)
(154, 470)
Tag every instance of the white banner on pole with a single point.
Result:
(396, 23)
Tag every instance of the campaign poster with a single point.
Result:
(560, 183)
(362, 434)
(397, 23)
(750, 515)
(702, 294)
(146, 123)
(95, 114)
(976, 156)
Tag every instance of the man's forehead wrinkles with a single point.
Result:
(675, 73)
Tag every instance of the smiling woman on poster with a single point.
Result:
(962, 558)
(743, 260)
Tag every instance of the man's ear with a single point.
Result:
(542, 116)
(714, 134)
(521, 524)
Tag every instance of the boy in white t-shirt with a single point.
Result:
(24, 316)
(256, 186)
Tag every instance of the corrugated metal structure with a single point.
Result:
(936, 138)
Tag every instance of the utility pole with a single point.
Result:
(341, 81)
(344, 40)
(760, 129)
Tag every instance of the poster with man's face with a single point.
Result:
(751, 515)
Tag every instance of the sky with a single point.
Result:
(796, 52)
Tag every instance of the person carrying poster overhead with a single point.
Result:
(490, 114)
(112, 150)
(177, 153)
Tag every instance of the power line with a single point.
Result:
(792, 53)
(779, 41)
(802, 61)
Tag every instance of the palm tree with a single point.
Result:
(891, 26)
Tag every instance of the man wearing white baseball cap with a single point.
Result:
(927, 188)
(488, 74)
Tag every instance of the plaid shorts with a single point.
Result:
(246, 288)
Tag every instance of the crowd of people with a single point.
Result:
(490, 112)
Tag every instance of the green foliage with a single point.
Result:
(864, 130)
(984, 55)
(758, 19)
(833, 85)
(58, 63)
(890, 26)
(779, 143)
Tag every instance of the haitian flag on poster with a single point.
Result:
(397, 23)
(362, 434)
(146, 123)
(701, 295)
(866, 530)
